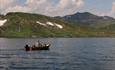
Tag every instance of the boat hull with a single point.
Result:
(37, 48)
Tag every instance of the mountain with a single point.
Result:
(89, 19)
(19, 24)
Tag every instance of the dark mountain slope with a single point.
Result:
(89, 19)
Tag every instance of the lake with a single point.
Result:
(64, 54)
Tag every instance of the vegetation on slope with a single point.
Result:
(24, 25)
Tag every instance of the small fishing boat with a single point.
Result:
(42, 47)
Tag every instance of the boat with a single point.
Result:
(33, 48)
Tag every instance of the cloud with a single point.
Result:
(17, 9)
(112, 13)
(109, 13)
(46, 7)
(67, 7)
(5, 3)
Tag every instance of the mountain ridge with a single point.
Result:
(19, 24)
(88, 19)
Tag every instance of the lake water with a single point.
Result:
(64, 54)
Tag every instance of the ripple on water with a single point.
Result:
(66, 54)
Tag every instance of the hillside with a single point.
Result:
(19, 24)
(89, 19)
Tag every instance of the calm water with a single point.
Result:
(64, 54)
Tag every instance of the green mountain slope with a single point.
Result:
(20, 24)
(96, 26)
(25, 25)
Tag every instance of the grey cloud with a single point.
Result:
(61, 8)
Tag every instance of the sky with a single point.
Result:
(59, 7)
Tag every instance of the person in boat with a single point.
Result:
(27, 47)
(38, 44)
(33, 46)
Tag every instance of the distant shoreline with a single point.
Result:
(64, 37)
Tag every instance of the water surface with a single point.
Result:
(64, 54)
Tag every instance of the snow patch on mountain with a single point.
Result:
(50, 24)
(2, 22)
(59, 26)
(41, 23)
